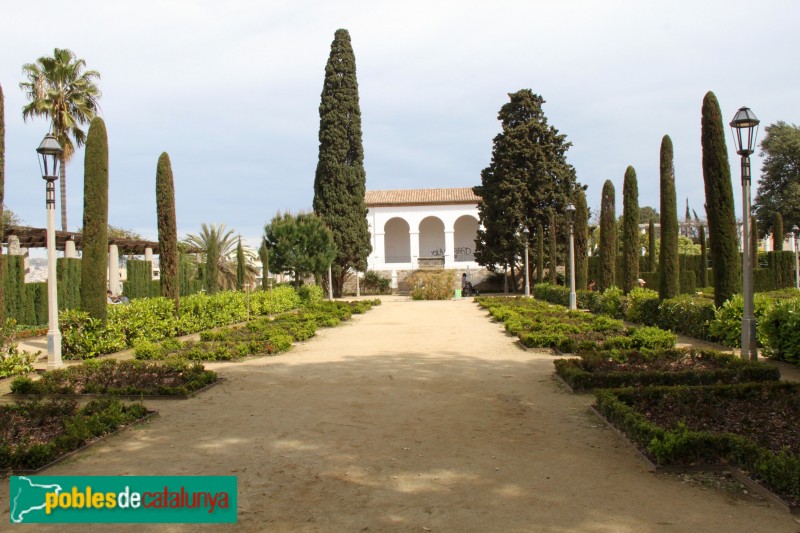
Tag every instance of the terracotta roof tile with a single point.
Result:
(461, 195)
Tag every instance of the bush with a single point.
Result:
(642, 307)
(727, 325)
(311, 294)
(781, 330)
(652, 338)
(432, 285)
(610, 302)
(555, 294)
(687, 316)
(374, 283)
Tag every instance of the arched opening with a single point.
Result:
(464, 234)
(397, 241)
(431, 237)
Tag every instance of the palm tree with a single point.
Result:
(226, 245)
(58, 88)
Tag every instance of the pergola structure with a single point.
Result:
(37, 238)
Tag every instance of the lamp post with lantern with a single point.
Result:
(49, 158)
(573, 304)
(744, 127)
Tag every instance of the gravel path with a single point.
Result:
(418, 416)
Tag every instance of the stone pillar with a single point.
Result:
(113, 270)
(148, 256)
(449, 249)
(414, 249)
(380, 250)
(13, 245)
(69, 249)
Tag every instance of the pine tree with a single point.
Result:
(239, 266)
(719, 203)
(630, 231)
(608, 237)
(539, 254)
(553, 262)
(94, 263)
(263, 255)
(703, 258)
(2, 200)
(340, 180)
(777, 233)
(668, 280)
(167, 230)
(652, 264)
(527, 176)
(581, 236)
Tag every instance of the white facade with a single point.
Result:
(402, 234)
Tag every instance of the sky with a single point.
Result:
(231, 91)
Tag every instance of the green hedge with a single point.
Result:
(682, 446)
(780, 330)
(68, 274)
(140, 280)
(606, 370)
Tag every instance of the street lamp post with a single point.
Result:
(525, 233)
(571, 220)
(744, 127)
(795, 235)
(49, 154)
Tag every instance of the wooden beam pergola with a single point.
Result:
(37, 238)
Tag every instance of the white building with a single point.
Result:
(415, 228)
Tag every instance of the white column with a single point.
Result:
(113, 269)
(358, 284)
(380, 250)
(13, 245)
(414, 249)
(449, 248)
(53, 333)
(148, 256)
(69, 249)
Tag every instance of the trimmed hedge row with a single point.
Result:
(683, 446)
(611, 370)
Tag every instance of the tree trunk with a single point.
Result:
(63, 171)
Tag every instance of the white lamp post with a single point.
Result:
(571, 220)
(525, 233)
(795, 235)
(744, 127)
(49, 157)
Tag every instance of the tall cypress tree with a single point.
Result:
(651, 247)
(703, 258)
(630, 230)
(2, 199)
(263, 254)
(608, 237)
(94, 263)
(777, 233)
(719, 203)
(553, 262)
(167, 230)
(340, 180)
(581, 235)
(212, 267)
(239, 266)
(668, 280)
(754, 241)
(539, 254)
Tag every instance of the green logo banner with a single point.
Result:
(122, 499)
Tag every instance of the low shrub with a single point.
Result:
(647, 337)
(374, 283)
(780, 331)
(727, 325)
(555, 294)
(609, 302)
(432, 285)
(311, 294)
(642, 307)
(687, 316)
(13, 361)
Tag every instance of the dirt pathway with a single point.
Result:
(418, 416)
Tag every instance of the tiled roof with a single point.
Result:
(461, 195)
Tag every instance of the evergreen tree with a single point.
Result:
(340, 180)
(240, 266)
(608, 237)
(527, 176)
(719, 203)
(581, 236)
(167, 230)
(777, 233)
(754, 241)
(263, 255)
(94, 263)
(539, 254)
(212, 267)
(300, 245)
(779, 185)
(652, 264)
(630, 231)
(2, 199)
(668, 262)
(703, 258)
(553, 262)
